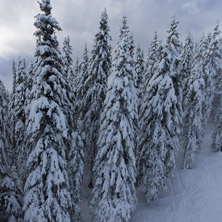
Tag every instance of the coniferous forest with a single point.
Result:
(115, 120)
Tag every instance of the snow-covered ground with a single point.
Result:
(193, 195)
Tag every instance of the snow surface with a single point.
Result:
(194, 195)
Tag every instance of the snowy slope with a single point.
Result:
(193, 195)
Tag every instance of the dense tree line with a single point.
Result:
(121, 120)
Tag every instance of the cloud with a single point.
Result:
(191, 7)
(80, 20)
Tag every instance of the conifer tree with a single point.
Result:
(67, 60)
(47, 187)
(81, 88)
(173, 44)
(153, 56)
(10, 197)
(114, 194)
(216, 59)
(18, 112)
(193, 110)
(14, 77)
(96, 85)
(214, 53)
(75, 153)
(140, 69)
(30, 76)
(187, 63)
(202, 51)
(209, 73)
(159, 129)
(15, 124)
(217, 134)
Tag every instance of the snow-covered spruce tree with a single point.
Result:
(75, 153)
(48, 135)
(193, 107)
(132, 53)
(10, 196)
(81, 89)
(187, 63)
(152, 58)
(114, 195)
(202, 52)
(96, 85)
(18, 115)
(4, 99)
(173, 44)
(30, 76)
(140, 69)
(217, 134)
(67, 60)
(159, 129)
(216, 58)
(77, 70)
(214, 54)
(14, 77)
(15, 136)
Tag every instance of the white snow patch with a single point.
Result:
(193, 195)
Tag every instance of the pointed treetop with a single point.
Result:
(104, 21)
(85, 51)
(14, 76)
(155, 38)
(188, 49)
(124, 30)
(67, 49)
(45, 6)
(45, 23)
(173, 34)
(216, 31)
(202, 47)
(189, 36)
(153, 46)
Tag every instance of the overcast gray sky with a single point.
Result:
(80, 20)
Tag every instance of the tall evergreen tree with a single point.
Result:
(153, 56)
(114, 194)
(48, 136)
(75, 153)
(173, 44)
(193, 110)
(96, 85)
(81, 89)
(67, 60)
(14, 77)
(77, 71)
(140, 69)
(217, 134)
(187, 63)
(159, 129)
(214, 54)
(18, 113)
(202, 51)
(10, 197)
